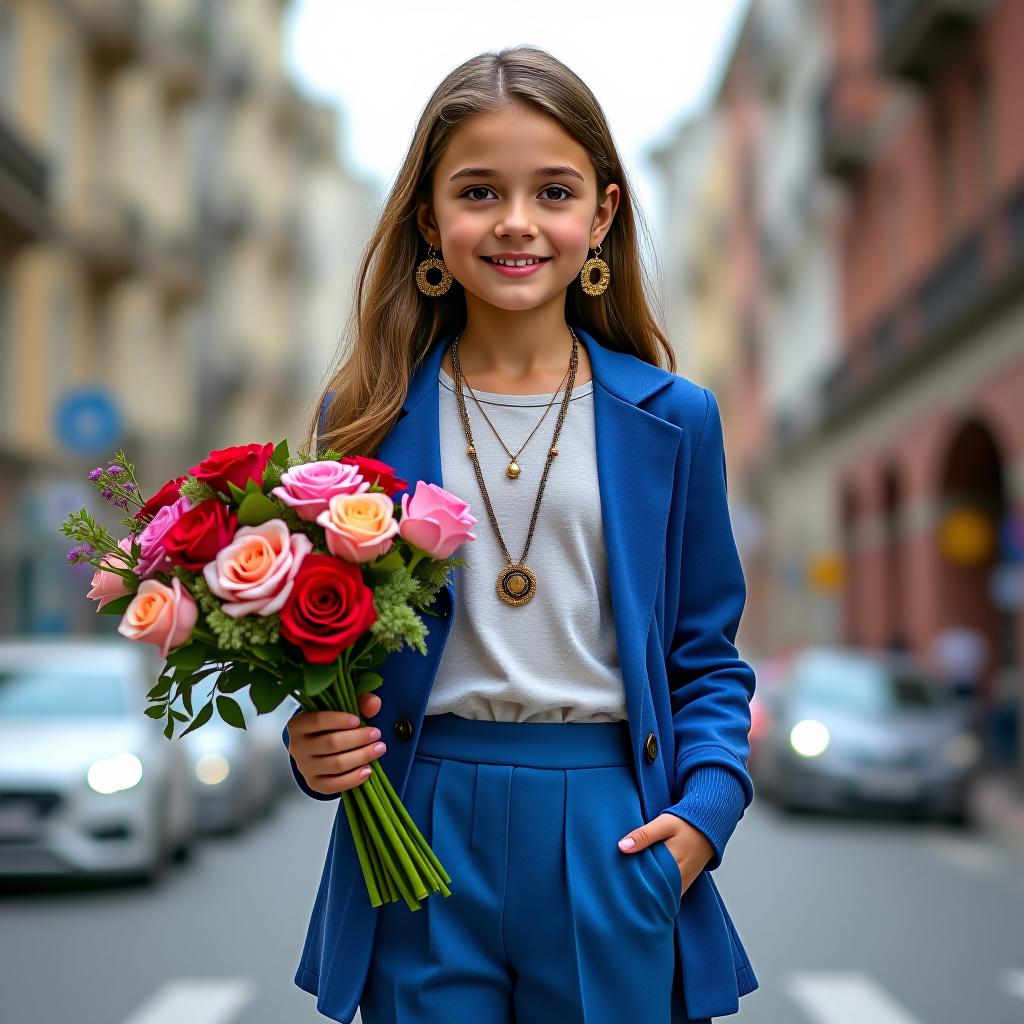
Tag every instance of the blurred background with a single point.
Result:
(835, 193)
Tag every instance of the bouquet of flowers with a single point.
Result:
(293, 577)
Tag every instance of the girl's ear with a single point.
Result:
(605, 213)
(427, 224)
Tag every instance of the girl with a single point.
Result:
(574, 745)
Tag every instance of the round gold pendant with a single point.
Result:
(516, 584)
(513, 469)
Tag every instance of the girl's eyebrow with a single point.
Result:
(487, 172)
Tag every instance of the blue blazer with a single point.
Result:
(677, 591)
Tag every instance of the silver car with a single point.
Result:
(851, 729)
(89, 785)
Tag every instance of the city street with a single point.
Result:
(845, 921)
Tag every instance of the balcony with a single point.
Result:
(110, 240)
(847, 116)
(24, 190)
(916, 38)
(973, 280)
(112, 29)
(176, 263)
(179, 54)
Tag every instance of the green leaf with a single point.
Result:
(236, 677)
(268, 652)
(367, 682)
(256, 509)
(156, 711)
(118, 606)
(266, 691)
(377, 657)
(169, 728)
(236, 492)
(161, 689)
(191, 656)
(179, 716)
(280, 456)
(205, 714)
(231, 712)
(317, 678)
(389, 562)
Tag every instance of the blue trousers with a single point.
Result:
(547, 921)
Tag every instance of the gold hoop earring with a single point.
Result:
(595, 263)
(433, 263)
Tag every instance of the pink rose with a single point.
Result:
(435, 520)
(254, 574)
(160, 615)
(153, 556)
(359, 527)
(108, 585)
(309, 487)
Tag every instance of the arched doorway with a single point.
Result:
(972, 513)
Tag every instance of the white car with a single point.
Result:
(89, 785)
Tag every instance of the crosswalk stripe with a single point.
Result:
(1012, 981)
(197, 1000)
(845, 997)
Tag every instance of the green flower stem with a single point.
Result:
(417, 557)
(361, 851)
(401, 849)
(365, 803)
(381, 843)
(416, 846)
(411, 826)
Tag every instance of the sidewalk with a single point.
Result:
(997, 806)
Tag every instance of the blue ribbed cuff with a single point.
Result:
(713, 801)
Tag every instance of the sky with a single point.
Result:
(650, 63)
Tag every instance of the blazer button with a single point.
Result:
(651, 746)
(403, 729)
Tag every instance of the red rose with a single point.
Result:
(328, 609)
(238, 465)
(200, 534)
(372, 469)
(167, 495)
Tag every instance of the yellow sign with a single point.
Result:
(826, 572)
(967, 537)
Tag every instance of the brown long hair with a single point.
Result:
(392, 324)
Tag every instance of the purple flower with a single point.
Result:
(115, 470)
(121, 503)
(106, 493)
(128, 487)
(96, 473)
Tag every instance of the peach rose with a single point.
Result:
(359, 527)
(108, 585)
(435, 520)
(160, 615)
(254, 574)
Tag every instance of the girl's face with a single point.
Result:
(514, 183)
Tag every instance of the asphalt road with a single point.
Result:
(845, 922)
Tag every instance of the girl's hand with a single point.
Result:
(329, 751)
(690, 847)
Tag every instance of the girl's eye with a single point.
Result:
(551, 188)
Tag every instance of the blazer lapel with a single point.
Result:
(635, 454)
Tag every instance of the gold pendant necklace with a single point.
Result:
(516, 583)
(513, 470)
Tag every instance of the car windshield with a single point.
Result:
(44, 690)
(856, 684)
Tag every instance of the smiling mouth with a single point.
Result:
(516, 263)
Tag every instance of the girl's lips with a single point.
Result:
(516, 271)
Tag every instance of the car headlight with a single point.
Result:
(809, 737)
(113, 774)
(212, 769)
(961, 750)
